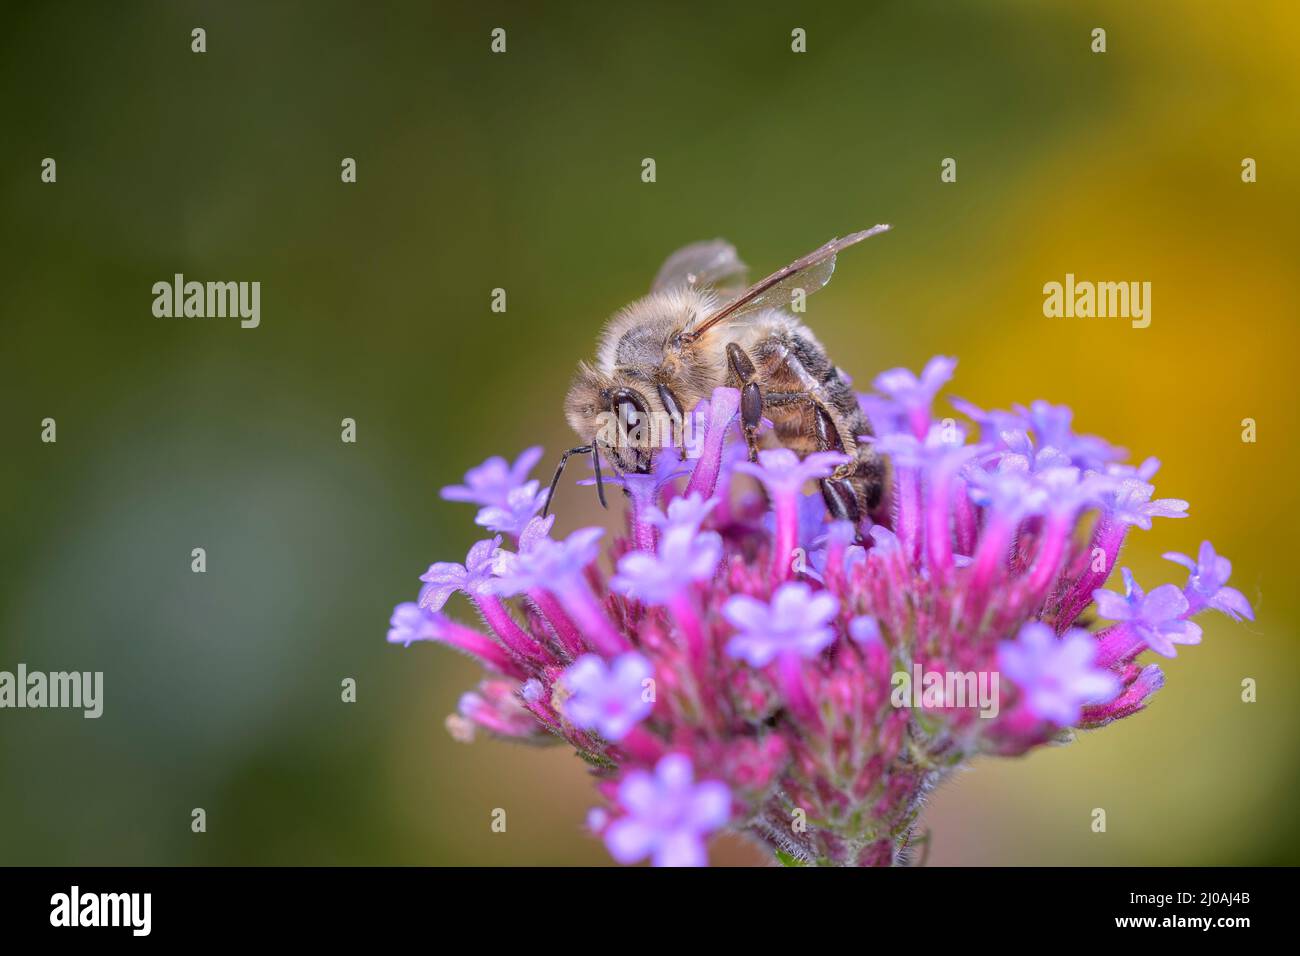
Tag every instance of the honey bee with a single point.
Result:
(701, 328)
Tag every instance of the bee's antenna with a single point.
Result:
(559, 470)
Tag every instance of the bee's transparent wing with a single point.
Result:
(712, 264)
(809, 273)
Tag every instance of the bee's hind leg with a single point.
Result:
(751, 397)
(841, 501)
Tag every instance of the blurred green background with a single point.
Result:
(522, 171)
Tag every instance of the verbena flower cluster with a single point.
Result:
(733, 661)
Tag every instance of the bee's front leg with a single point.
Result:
(751, 397)
(674, 409)
(594, 450)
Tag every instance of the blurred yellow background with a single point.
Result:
(522, 171)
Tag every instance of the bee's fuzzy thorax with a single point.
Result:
(640, 332)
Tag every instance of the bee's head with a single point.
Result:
(614, 415)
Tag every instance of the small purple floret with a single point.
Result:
(609, 699)
(1157, 618)
(667, 815)
(1056, 675)
(796, 622)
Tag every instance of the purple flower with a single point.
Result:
(887, 417)
(492, 482)
(496, 706)
(667, 815)
(1018, 442)
(1009, 489)
(1143, 472)
(1057, 677)
(825, 540)
(1157, 618)
(906, 405)
(1130, 503)
(1067, 489)
(994, 423)
(609, 699)
(811, 513)
(685, 511)
(536, 530)
(475, 576)
(783, 472)
(1051, 425)
(719, 412)
(1207, 584)
(684, 557)
(797, 622)
(513, 514)
(781, 627)
(548, 563)
(864, 629)
(532, 691)
(1060, 486)
(911, 392)
(883, 541)
(667, 467)
(411, 622)
(941, 442)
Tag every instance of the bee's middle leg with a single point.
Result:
(751, 397)
(837, 490)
